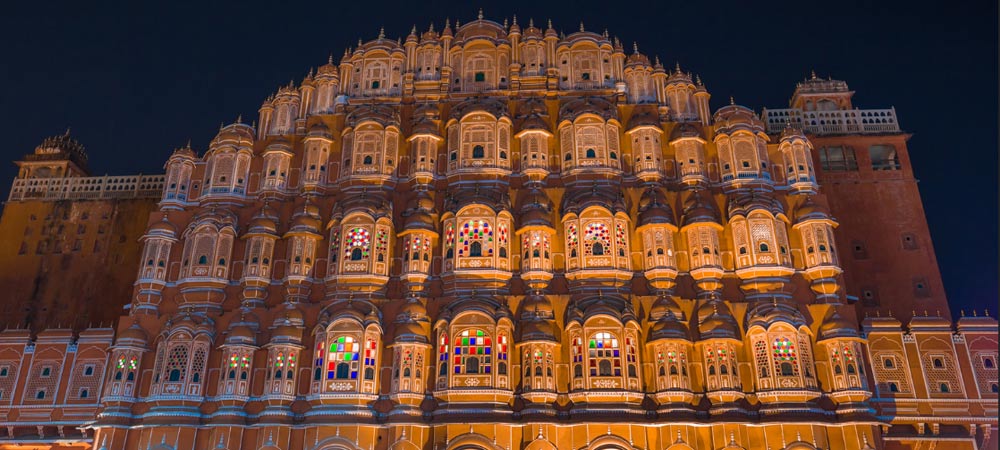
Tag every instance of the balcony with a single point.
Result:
(88, 188)
(850, 121)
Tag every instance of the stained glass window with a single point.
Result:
(357, 239)
(605, 355)
(783, 351)
(572, 239)
(760, 354)
(597, 238)
(502, 235)
(620, 236)
(343, 358)
(473, 232)
(334, 244)
(370, 349)
(473, 352)
(449, 240)
(443, 352)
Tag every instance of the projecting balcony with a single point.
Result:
(848, 121)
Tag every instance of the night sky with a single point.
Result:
(135, 81)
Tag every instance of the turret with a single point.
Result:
(656, 228)
(796, 154)
(814, 227)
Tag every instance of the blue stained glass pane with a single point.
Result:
(487, 350)
(616, 353)
(354, 375)
(487, 369)
(340, 347)
(355, 356)
(458, 351)
(329, 375)
(600, 344)
(458, 369)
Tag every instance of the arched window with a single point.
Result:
(784, 353)
(988, 363)
(786, 369)
(476, 249)
(473, 351)
(944, 388)
(478, 152)
(356, 254)
(343, 357)
(598, 249)
(938, 364)
(591, 153)
(889, 364)
(893, 387)
(605, 355)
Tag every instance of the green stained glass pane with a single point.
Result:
(593, 344)
(479, 332)
(347, 356)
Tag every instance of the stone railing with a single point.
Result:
(88, 188)
(847, 121)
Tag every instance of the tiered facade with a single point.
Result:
(497, 237)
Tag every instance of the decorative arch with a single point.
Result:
(472, 441)
(609, 442)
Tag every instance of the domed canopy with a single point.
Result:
(669, 327)
(654, 209)
(685, 130)
(836, 326)
(698, 208)
(495, 107)
(162, 228)
(319, 130)
(537, 319)
(536, 208)
(644, 116)
(735, 117)
(614, 305)
(607, 195)
(743, 205)
(716, 321)
(765, 314)
(811, 210)
(306, 219)
(481, 29)
(535, 122)
(588, 105)
(381, 114)
(184, 152)
(133, 335)
(264, 222)
(235, 133)
(419, 213)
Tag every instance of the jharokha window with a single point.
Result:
(357, 244)
(785, 359)
(344, 359)
(475, 239)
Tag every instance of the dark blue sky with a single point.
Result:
(136, 80)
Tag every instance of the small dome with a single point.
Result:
(698, 208)
(495, 107)
(241, 334)
(237, 132)
(306, 219)
(184, 152)
(319, 130)
(134, 335)
(536, 208)
(637, 59)
(765, 314)
(735, 117)
(743, 205)
(654, 209)
(279, 143)
(791, 133)
(327, 70)
(716, 321)
(685, 130)
(162, 228)
(419, 214)
(426, 127)
(810, 210)
(588, 105)
(669, 326)
(606, 195)
(481, 29)
(264, 222)
(836, 325)
(644, 117)
(535, 122)
(678, 76)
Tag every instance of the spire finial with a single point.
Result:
(731, 100)
(581, 27)
(381, 32)
(635, 47)
(514, 22)
(531, 22)
(480, 16)
(813, 74)
(239, 118)
(67, 131)
(413, 31)
(329, 60)
(677, 66)
(505, 23)
(550, 23)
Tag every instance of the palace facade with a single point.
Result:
(493, 237)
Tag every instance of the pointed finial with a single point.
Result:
(986, 312)
(239, 118)
(698, 79)
(677, 66)
(531, 22)
(67, 131)
(413, 30)
(381, 32)
(581, 27)
(480, 14)
(605, 33)
(505, 22)
(359, 42)
(974, 313)
(813, 74)
(925, 313)
(514, 22)
(731, 100)
(550, 23)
